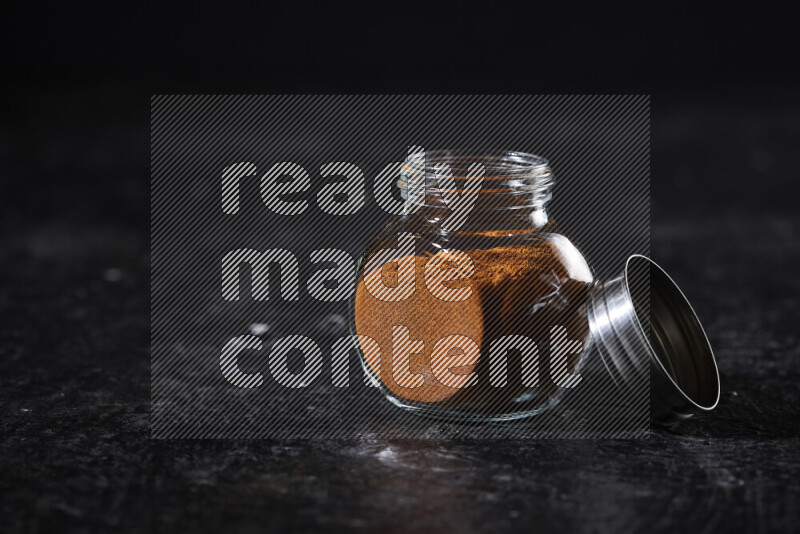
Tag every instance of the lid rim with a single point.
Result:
(696, 322)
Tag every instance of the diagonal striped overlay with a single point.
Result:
(209, 157)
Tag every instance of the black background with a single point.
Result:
(74, 161)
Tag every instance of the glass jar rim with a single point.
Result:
(497, 163)
(510, 180)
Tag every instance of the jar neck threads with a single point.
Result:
(509, 189)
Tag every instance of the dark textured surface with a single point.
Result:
(76, 453)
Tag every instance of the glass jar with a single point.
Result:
(472, 304)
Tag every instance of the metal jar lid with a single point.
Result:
(646, 332)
